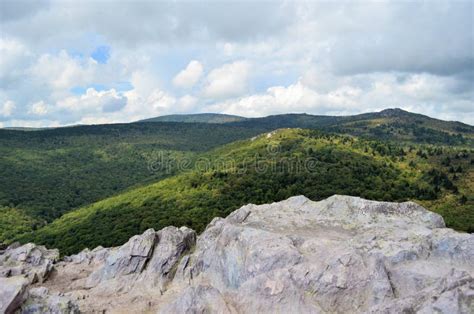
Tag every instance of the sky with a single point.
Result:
(90, 62)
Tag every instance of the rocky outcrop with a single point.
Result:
(343, 254)
(30, 261)
(340, 255)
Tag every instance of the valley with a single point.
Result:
(58, 185)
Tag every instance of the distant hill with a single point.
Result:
(25, 129)
(390, 124)
(197, 118)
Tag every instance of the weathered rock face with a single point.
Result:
(12, 293)
(31, 261)
(343, 254)
(41, 300)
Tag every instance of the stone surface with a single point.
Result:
(30, 260)
(340, 255)
(343, 254)
(130, 258)
(40, 300)
(12, 293)
(132, 277)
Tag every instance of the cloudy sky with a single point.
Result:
(69, 62)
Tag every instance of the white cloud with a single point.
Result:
(160, 100)
(295, 98)
(187, 103)
(94, 102)
(315, 57)
(62, 71)
(228, 80)
(189, 76)
(7, 108)
(14, 59)
(151, 21)
(147, 99)
(357, 94)
(39, 108)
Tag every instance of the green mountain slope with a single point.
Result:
(269, 168)
(197, 118)
(389, 124)
(15, 222)
(47, 173)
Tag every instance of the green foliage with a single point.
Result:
(391, 124)
(14, 223)
(266, 169)
(49, 172)
(102, 184)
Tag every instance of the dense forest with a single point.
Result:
(47, 173)
(269, 168)
(84, 186)
(389, 124)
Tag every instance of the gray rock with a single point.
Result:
(130, 258)
(97, 255)
(12, 293)
(29, 260)
(199, 299)
(171, 245)
(149, 259)
(340, 255)
(40, 300)
(343, 254)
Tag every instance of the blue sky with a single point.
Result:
(109, 62)
(101, 54)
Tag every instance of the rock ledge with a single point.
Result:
(343, 254)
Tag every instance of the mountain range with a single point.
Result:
(92, 185)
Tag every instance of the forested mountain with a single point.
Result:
(269, 168)
(46, 173)
(389, 124)
(59, 184)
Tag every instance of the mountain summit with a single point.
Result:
(342, 254)
(394, 112)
